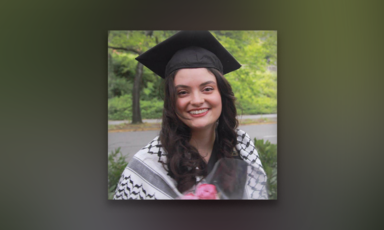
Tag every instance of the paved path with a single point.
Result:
(271, 116)
(131, 142)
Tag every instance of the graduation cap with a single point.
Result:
(188, 49)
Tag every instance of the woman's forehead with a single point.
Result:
(193, 76)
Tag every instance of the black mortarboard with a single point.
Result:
(188, 49)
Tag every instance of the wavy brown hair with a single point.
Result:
(184, 162)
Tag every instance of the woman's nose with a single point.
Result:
(197, 99)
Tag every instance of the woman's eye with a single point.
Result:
(208, 89)
(181, 93)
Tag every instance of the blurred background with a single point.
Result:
(135, 95)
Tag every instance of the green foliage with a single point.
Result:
(116, 166)
(136, 40)
(254, 87)
(120, 108)
(268, 157)
(151, 109)
(262, 105)
(118, 86)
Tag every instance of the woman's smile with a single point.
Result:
(198, 113)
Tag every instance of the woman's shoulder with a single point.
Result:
(145, 177)
(248, 152)
(242, 136)
(153, 150)
(246, 147)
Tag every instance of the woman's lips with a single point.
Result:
(198, 112)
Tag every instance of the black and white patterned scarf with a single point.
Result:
(145, 177)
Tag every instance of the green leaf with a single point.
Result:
(268, 156)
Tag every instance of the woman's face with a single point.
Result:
(198, 98)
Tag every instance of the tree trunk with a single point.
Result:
(136, 113)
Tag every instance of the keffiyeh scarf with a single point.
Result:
(146, 178)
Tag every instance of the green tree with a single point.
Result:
(123, 44)
(254, 86)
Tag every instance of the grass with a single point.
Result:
(128, 127)
(259, 121)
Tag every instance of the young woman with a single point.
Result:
(199, 122)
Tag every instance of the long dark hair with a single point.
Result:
(184, 162)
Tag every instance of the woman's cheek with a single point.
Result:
(180, 103)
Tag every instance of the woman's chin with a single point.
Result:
(202, 126)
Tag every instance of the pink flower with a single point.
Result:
(189, 196)
(206, 192)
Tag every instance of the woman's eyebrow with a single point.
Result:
(182, 86)
(208, 82)
(202, 84)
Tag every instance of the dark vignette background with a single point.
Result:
(54, 111)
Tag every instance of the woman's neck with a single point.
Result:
(203, 141)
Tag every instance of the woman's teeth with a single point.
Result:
(198, 111)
